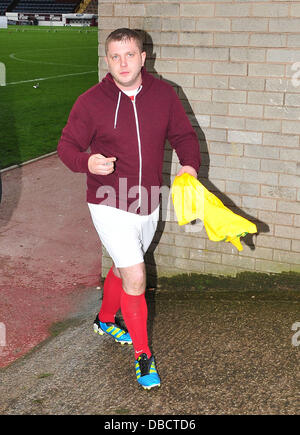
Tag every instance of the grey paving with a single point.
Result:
(217, 352)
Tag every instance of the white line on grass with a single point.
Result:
(14, 57)
(51, 77)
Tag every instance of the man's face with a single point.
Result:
(125, 62)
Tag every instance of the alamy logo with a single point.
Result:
(138, 197)
(2, 335)
(2, 74)
(296, 76)
(296, 336)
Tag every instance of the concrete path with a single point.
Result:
(49, 252)
(217, 352)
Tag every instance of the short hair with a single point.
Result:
(124, 34)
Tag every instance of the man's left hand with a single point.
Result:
(187, 169)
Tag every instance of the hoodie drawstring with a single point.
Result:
(117, 110)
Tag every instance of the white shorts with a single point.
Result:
(126, 236)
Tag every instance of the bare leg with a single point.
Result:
(133, 279)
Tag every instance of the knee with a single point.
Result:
(135, 285)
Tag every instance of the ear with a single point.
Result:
(143, 54)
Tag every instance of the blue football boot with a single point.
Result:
(146, 372)
(113, 330)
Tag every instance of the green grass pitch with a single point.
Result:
(64, 62)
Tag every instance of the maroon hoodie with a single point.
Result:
(105, 119)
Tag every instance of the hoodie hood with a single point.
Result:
(110, 88)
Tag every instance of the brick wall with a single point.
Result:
(236, 68)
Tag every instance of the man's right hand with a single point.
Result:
(100, 165)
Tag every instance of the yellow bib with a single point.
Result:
(193, 201)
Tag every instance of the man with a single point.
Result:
(125, 120)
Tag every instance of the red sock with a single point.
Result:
(135, 313)
(111, 301)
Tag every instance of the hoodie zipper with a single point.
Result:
(138, 137)
(117, 110)
(139, 145)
